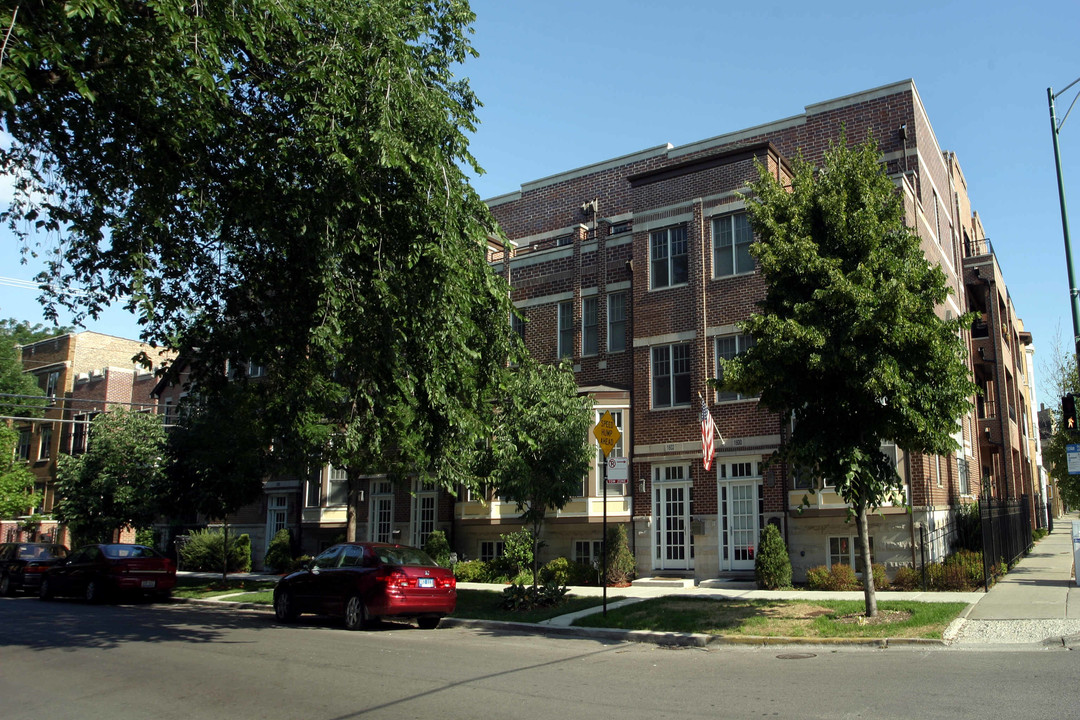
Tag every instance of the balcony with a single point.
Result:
(975, 248)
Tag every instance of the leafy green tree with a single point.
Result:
(15, 384)
(540, 450)
(115, 483)
(1060, 375)
(848, 340)
(279, 181)
(16, 481)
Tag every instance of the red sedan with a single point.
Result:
(97, 572)
(363, 582)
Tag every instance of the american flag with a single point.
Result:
(708, 433)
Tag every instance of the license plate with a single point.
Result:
(427, 582)
(149, 583)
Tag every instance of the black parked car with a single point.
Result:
(23, 564)
(97, 572)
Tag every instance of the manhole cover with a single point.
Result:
(796, 656)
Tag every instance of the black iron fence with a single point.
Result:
(1000, 529)
(1006, 532)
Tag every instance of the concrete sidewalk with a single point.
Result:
(1041, 586)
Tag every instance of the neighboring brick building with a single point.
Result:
(637, 268)
(82, 374)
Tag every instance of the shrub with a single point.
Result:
(520, 596)
(517, 554)
(558, 571)
(472, 571)
(772, 566)
(968, 527)
(438, 548)
(842, 577)
(620, 561)
(817, 577)
(146, 536)
(279, 556)
(907, 578)
(203, 552)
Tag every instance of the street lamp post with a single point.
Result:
(1074, 298)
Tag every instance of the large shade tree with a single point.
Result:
(278, 181)
(849, 340)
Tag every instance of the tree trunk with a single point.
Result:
(536, 550)
(225, 549)
(869, 592)
(352, 503)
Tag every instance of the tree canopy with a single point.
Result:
(540, 450)
(848, 336)
(277, 181)
(16, 481)
(1059, 373)
(19, 391)
(117, 481)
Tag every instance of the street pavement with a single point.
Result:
(1038, 601)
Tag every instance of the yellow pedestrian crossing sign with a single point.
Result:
(606, 433)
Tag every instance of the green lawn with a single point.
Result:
(187, 587)
(487, 605)
(781, 618)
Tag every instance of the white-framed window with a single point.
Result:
(278, 515)
(670, 473)
(727, 347)
(337, 491)
(589, 552)
(732, 238)
(491, 549)
(668, 257)
(671, 375)
(590, 329)
(937, 470)
(844, 550)
(616, 451)
(22, 450)
(255, 369)
(51, 382)
(566, 329)
(382, 511)
(616, 322)
(425, 508)
(739, 469)
(962, 476)
(45, 448)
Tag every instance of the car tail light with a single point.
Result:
(34, 568)
(449, 582)
(396, 579)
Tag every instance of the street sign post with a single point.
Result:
(1072, 458)
(607, 435)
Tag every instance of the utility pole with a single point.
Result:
(1074, 298)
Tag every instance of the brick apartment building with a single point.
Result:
(82, 374)
(638, 269)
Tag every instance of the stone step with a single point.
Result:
(676, 582)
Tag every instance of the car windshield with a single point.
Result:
(128, 551)
(404, 556)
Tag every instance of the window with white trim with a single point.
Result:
(588, 552)
(566, 329)
(616, 322)
(491, 549)
(51, 382)
(45, 448)
(844, 550)
(668, 256)
(590, 330)
(727, 347)
(671, 375)
(22, 450)
(732, 239)
(338, 487)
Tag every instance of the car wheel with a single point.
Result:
(92, 593)
(428, 623)
(285, 608)
(45, 591)
(356, 615)
(5, 584)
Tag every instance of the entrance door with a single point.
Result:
(382, 511)
(741, 505)
(276, 516)
(673, 541)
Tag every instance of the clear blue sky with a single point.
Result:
(565, 84)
